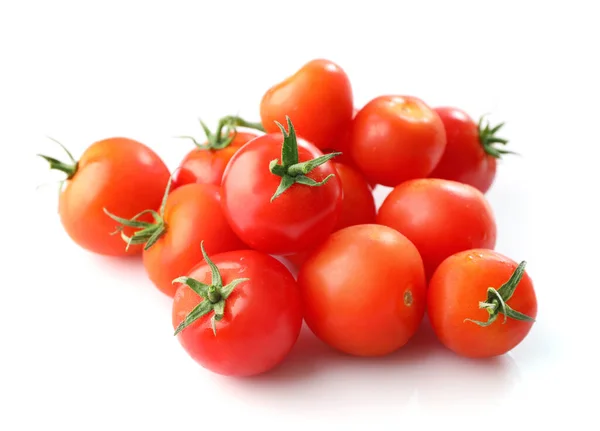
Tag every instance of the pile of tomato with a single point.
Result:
(297, 187)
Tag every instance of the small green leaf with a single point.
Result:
(200, 288)
(507, 290)
(513, 314)
(289, 148)
(491, 320)
(285, 183)
(216, 275)
(307, 181)
(276, 168)
(226, 291)
(310, 165)
(200, 310)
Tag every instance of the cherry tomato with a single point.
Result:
(395, 139)
(318, 99)
(281, 206)
(363, 290)
(241, 317)
(120, 174)
(191, 214)
(358, 205)
(503, 288)
(470, 155)
(440, 217)
(206, 163)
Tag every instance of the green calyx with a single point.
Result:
(225, 133)
(149, 232)
(290, 169)
(489, 140)
(496, 302)
(68, 168)
(214, 296)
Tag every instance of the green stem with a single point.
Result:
(240, 122)
(496, 301)
(291, 170)
(214, 295)
(489, 140)
(148, 233)
(225, 133)
(68, 168)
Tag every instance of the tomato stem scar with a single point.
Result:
(290, 169)
(214, 295)
(496, 301)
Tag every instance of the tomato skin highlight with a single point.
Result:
(396, 139)
(363, 290)
(318, 99)
(262, 319)
(464, 159)
(298, 219)
(456, 288)
(119, 174)
(206, 166)
(440, 217)
(192, 215)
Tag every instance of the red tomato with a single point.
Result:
(470, 155)
(119, 174)
(358, 204)
(206, 165)
(440, 217)
(318, 99)
(238, 326)
(192, 214)
(395, 139)
(481, 303)
(364, 290)
(270, 220)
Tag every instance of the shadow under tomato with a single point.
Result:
(315, 376)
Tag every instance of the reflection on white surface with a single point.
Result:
(422, 372)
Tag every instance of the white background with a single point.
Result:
(86, 342)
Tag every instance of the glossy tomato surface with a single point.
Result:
(464, 159)
(454, 293)
(318, 99)
(206, 166)
(364, 290)
(358, 205)
(192, 215)
(261, 322)
(440, 217)
(298, 219)
(395, 139)
(122, 175)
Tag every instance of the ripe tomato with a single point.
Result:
(470, 155)
(120, 174)
(191, 214)
(395, 139)
(440, 217)
(206, 163)
(481, 303)
(238, 326)
(281, 207)
(358, 204)
(318, 99)
(364, 290)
